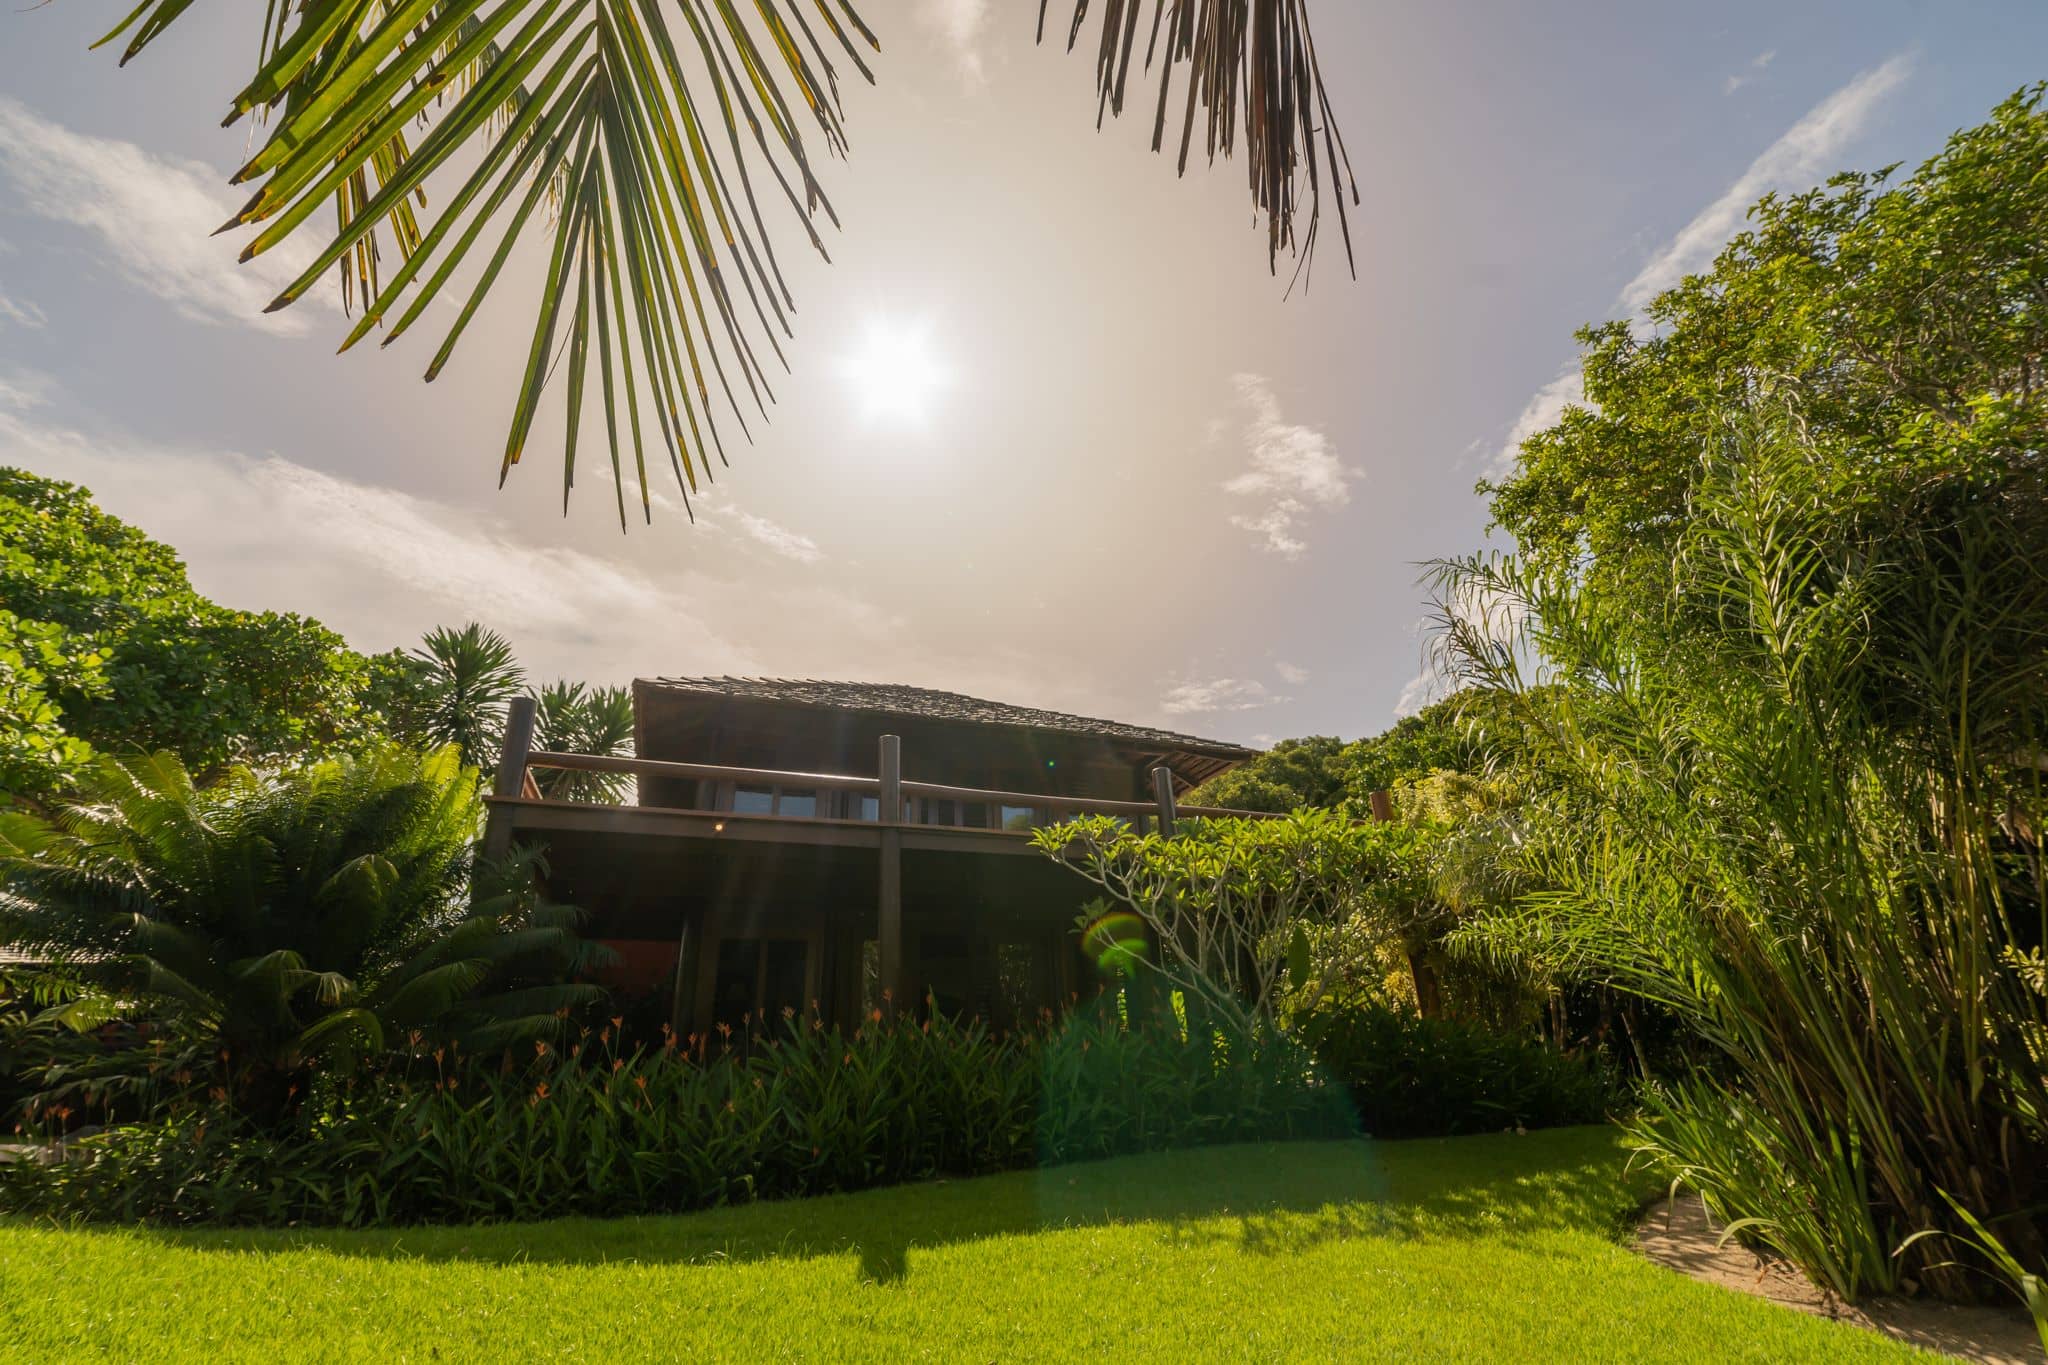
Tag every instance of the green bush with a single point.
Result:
(599, 1131)
(1415, 1077)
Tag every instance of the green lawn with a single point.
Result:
(1471, 1248)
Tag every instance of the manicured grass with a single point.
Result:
(1458, 1249)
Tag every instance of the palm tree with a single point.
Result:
(465, 677)
(294, 919)
(574, 719)
(631, 124)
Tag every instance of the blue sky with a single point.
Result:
(1144, 485)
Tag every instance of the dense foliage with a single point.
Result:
(275, 923)
(105, 645)
(1902, 321)
(1805, 805)
(1448, 736)
(1409, 1076)
(590, 1129)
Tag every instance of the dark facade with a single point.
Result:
(756, 858)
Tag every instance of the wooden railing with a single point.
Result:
(892, 791)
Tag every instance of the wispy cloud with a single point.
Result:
(151, 217)
(720, 518)
(1292, 674)
(1542, 410)
(959, 25)
(1492, 617)
(19, 312)
(1201, 698)
(1755, 69)
(1808, 150)
(1292, 469)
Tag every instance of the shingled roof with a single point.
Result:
(924, 703)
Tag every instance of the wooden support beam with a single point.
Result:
(510, 782)
(1162, 791)
(683, 1006)
(1382, 805)
(889, 903)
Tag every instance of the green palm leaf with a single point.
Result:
(646, 129)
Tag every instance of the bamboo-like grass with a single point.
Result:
(1796, 798)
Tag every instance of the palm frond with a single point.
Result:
(1251, 70)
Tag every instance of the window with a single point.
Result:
(802, 805)
(867, 807)
(753, 801)
(1018, 817)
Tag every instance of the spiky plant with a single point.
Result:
(1805, 783)
(465, 679)
(290, 920)
(574, 719)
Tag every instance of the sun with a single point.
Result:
(894, 372)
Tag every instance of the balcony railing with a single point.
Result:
(897, 801)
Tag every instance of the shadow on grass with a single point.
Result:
(1262, 1200)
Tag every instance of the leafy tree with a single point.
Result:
(1903, 323)
(39, 661)
(289, 921)
(632, 122)
(1291, 774)
(1223, 909)
(574, 719)
(106, 644)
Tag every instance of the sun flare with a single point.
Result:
(895, 373)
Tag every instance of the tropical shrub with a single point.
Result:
(1806, 798)
(1223, 909)
(1408, 1076)
(273, 921)
(593, 1130)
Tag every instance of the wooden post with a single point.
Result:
(683, 1001)
(889, 903)
(1382, 804)
(1162, 790)
(510, 782)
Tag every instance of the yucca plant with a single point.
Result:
(1806, 791)
(291, 921)
(637, 141)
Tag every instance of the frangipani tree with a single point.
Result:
(1225, 905)
(638, 139)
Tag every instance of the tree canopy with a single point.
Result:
(1904, 322)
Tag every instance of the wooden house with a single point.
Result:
(796, 842)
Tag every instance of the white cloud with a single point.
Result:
(1293, 674)
(778, 539)
(1419, 692)
(1807, 151)
(1292, 470)
(380, 566)
(959, 24)
(1217, 694)
(1753, 71)
(153, 218)
(20, 312)
(1542, 410)
(23, 390)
